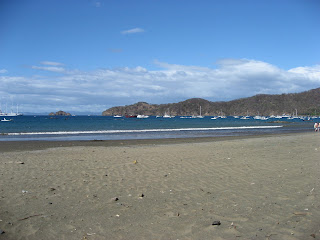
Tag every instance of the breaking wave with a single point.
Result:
(140, 131)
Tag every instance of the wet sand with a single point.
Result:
(262, 187)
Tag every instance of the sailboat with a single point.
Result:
(167, 115)
(200, 116)
(11, 114)
(247, 117)
(221, 115)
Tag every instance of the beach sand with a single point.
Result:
(264, 187)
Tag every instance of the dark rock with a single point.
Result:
(216, 223)
(2, 232)
(59, 113)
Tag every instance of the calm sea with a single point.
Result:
(23, 128)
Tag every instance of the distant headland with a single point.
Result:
(304, 103)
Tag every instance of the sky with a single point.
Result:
(90, 55)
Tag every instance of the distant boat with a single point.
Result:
(11, 114)
(167, 116)
(221, 115)
(200, 116)
(6, 120)
(213, 118)
(245, 118)
(142, 116)
(260, 117)
(117, 116)
(131, 116)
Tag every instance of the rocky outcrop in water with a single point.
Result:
(59, 113)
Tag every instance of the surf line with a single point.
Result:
(140, 130)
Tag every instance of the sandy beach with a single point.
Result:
(263, 187)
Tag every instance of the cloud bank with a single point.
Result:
(95, 91)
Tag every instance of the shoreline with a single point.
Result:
(10, 146)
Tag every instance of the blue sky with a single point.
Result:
(89, 55)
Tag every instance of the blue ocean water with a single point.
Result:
(23, 128)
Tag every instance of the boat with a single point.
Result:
(117, 116)
(131, 116)
(11, 114)
(200, 116)
(221, 115)
(6, 120)
(167, 115)
(245, 118)
(258, 117)
(142, 116)
(235, 116)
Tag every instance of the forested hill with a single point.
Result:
(305, 103)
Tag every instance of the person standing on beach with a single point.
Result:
(316, 127)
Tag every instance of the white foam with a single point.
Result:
(139, 131)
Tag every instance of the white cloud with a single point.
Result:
(3, 71)
(103, 88)
(51, 63)
(50, 69)
(133, 30)
(313, 73)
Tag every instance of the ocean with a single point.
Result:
(61, 128)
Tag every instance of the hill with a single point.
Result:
(305, 103)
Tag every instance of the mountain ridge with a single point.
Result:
(304, 103)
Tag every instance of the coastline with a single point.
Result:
(10, 146)
(258, 187)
